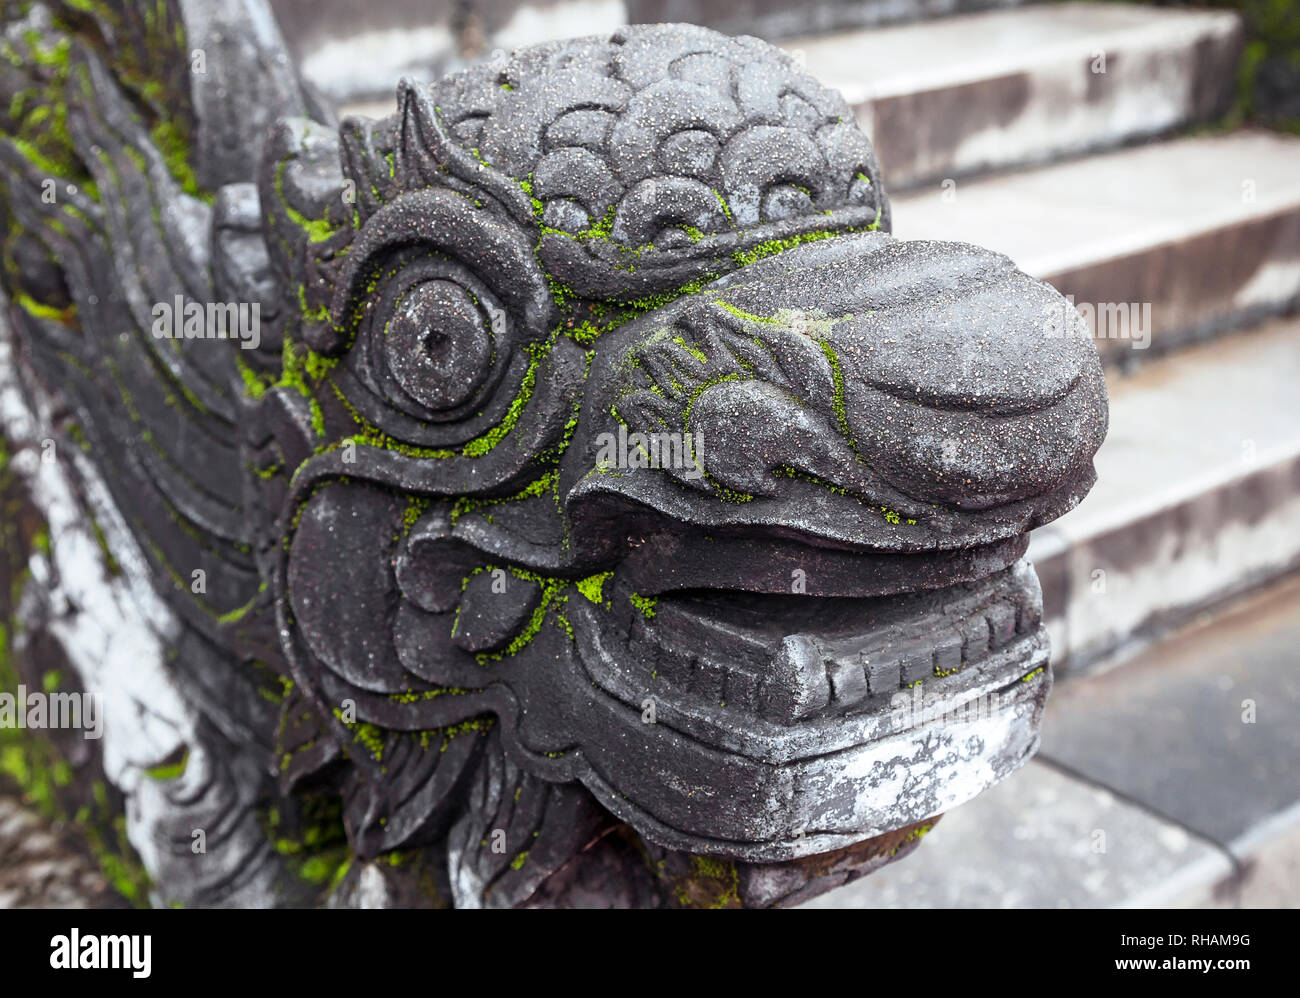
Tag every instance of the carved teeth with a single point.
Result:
(1001, 618)
(740, 688)
(947, 653)
(706, 680)
(883, 674)
(848, 677)
(974, 637)
(915, 661)
(811, 674)
(799, 686)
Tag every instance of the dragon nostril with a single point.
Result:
(435, 341)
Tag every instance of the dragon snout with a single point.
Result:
(930, 382)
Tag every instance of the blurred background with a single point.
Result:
(1145, 160)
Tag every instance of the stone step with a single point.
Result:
(1171, 782)
(1197, 496)
(974, 92)
(1163, 244)
(357, 52)
(772, 19)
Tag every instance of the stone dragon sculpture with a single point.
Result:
(602, 487)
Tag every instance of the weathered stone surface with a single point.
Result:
(1047, 840)
(616, 322)
(944, 99)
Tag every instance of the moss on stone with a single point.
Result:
(645, 605)
(593, 587)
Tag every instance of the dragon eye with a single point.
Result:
(439, 344)
(435, 337)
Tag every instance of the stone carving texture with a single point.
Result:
(449, 595)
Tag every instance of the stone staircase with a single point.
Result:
(1167, 771)
(974, 92)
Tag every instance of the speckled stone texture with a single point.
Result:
(609, 511)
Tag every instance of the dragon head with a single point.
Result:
(615, 443)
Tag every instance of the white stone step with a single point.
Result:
(1197, 496)
(949, 97)
(355, 52)
(1203, 230)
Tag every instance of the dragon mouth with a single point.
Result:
(719, 660)
(866, 712)
(785, 659)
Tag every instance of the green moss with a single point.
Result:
(445, 736)
(317, 366)
(317, 230)
(170, 771)
(369, 435)
(240, 612)
(722, 203)
(527, 187)
(711, 883)
(35, 309)
(691, 349)
(550, 590)
(369, 736)
(255, 384)
(648, 303)
(787, 471)
(773, 246)
(171, 142)
(111, 564)
(644, 604)
(419, 696)
(841, 412)
(593, 587)
(310, 837)
(548, 482)
(915, 835)
(415, 508)
(742, 314)
(486, 442)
